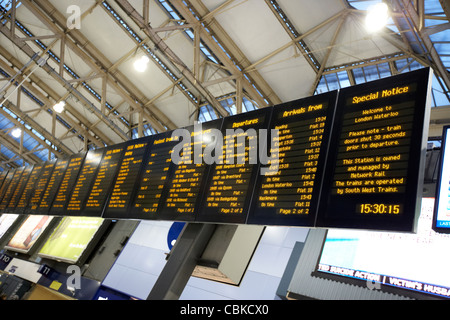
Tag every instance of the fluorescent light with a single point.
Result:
(377, 17)
(59, 107)
(16, 133)
(141, 64)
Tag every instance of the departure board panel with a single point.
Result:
(67, 184)
(3, 175)
(6, 183)
(25, 197)
(128, 176)
(83, 186)
(232, 176)
(52, 186)
(19, 189)
(148, 180)
(375, 166)
(180, 202)
(101, 188)
(288, 192)
(40, 186)
(11, 188)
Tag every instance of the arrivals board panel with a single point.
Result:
(180, 202)
(232, 176)
(103, 182)
(67, 184)
(19, 189)
(287, 191)
(127, 176)
(11, 188)
(83, 186)
(375, 166)
(441, 213)
(150, 182)
(25, 197)
(39, 187)
(52, 186)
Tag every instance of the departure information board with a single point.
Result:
(83, 186)
(127, 176)
(52, 186)
(67, 184)
(29, 188)
(375, 166)
(231, 179)
(441, 213)
(11, 188)
(187, 178)
(40, 186)
(6, 183)
(19, 189)
(3, 175)
(288, 193)
(101, 188)
(149, 183)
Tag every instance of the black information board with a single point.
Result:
(375, 167)
(182, 195)
(288, 193)
(52, 186)
(67, 184)
(19, 189)
(103, 182)
(83, 186)
(6, 182)
(3, 175)
(11, 188)
(149, 180)
(127, 177)
(25, 197)
(39, 187)
(232, 176)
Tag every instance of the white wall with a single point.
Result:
(138, 266)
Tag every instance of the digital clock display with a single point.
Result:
(379, 208)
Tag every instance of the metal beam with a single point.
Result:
(167, 51)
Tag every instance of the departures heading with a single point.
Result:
(345, 159)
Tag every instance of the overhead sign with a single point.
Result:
(345, 159)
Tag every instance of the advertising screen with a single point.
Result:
(70, 238)
(384, 260)
(441, 217)
(28, 233)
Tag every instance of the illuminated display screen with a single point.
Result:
(441, 217)
(52, 186)
(40, 186)
(28, 233)
(19, 189)
(181, 200)
(80, 192)
(67, 184)
(3, 175)
(11, 188)
(149, 183)
(22, 203)
(386, 261)
(128, 175)
(6, 183)
(231, 179)
(375, 165)
(70, 238)
(288, 193)
(6, 221)
(103, 182)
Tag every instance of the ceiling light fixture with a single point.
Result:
(141, 64)
(377, 17)
(16, 133)
(59, 107)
